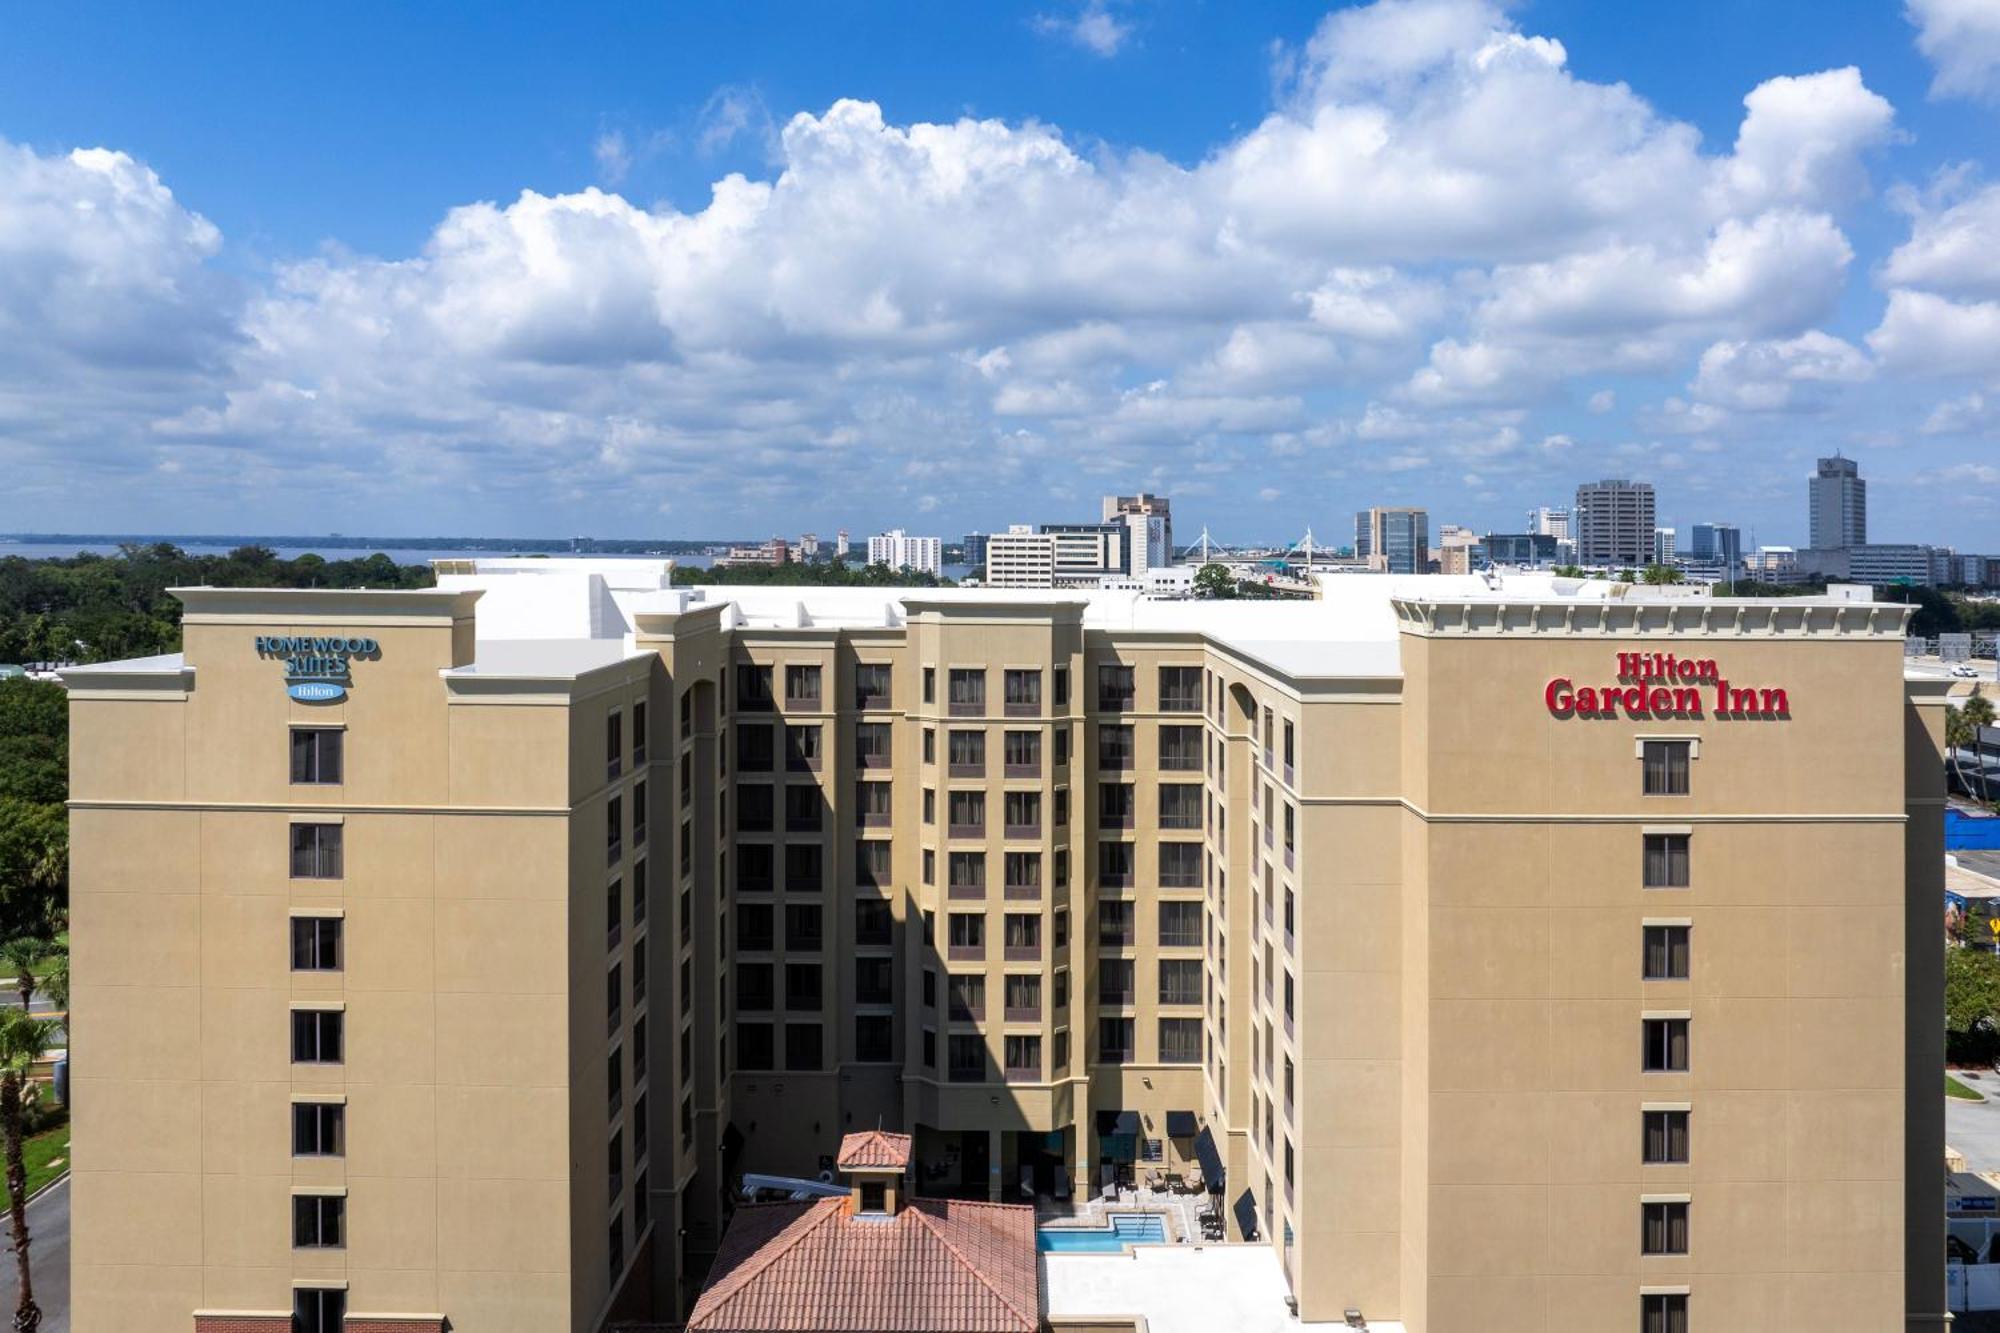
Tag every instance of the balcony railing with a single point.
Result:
(968, 890)
(1022, 953)
(966, 1013)
(1027, 1013)
(872, 759)
(874, 819)
(1023, 891)
(1021, 770)
(1023, 708)
(1026, 832)
(965, 770)
(965, 830)
(967, 708)
(1024, 1075)
(1114, 819)
(966, 953)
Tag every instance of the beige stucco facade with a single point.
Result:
(1381, 932)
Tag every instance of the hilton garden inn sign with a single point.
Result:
(1661, 685)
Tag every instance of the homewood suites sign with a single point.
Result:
(316, 666)
(1655, 685)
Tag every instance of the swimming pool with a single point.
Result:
(1125, 1229)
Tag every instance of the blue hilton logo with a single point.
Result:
(316, 667)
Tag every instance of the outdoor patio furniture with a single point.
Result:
(1156, 1180)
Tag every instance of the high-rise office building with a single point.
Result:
(975, 552)
(1716, 544)
(1364, 533)
(445, 957)
(1150, 519)
(1614, 523)
(1550, 522)
(898, 550)
(841, 545)
(1665, 551)
(1398, 539)
(1837, 498)
(1057, 555)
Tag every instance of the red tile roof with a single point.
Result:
(874, 1150)
(937, 1266)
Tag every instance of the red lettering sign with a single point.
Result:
(1662, 686)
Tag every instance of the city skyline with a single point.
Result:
(704, 272)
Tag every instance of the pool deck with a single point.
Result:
(1180, 1210)
(1195, 1288)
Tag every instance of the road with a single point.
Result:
(1974, 1127)
(48, 1252)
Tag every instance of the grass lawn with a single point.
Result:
(1953, 1088)
(47, 1155)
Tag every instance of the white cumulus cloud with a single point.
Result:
(1961, 39)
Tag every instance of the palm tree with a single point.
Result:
(23, 1041)
(1977, 712)
(56, 983)
(20, 955)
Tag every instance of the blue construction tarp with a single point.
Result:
(1963, 832)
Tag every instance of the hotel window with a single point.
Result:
(687, 916)
(965, 997)
(930, 745)
(1022, 874)
(316, 1036)
(753, 867)
(616, 1246)
(874, 1039)
(1180, 805)
(965, 874)
(1180, 689)
(1022, 940)
(614, 744)
(1115, 921)
(805, 810)
(754, 927)
(1024, 998)
(1059, 686)
(803, 987)
(874, 981)
(871, 744)
(319, 1129)
(1663, 1313)
(754, 1049)
(639, 814)
(317, 1221)
(316, 943)
(871, 863)
(1114, 747)
(930, 805)
(1291, 832)
(966, 754)
(1022, 811)
(1061, 862)
(1290, 740)
(930, 685)
(1180, 865)
(1114, 689)
(1115, 861)
(802, 1046)
(319, 1310)
(1663, 1228)
(802, 748)
(753, 689)
(930, 989)
(1062, 1051)
(930, 1048)
(753, 747)
(1023, 1057)
(1180, 981)
(1665, 1138)
(967, 686)
(1062, 926)
(871, 685)
(614, 830)
(1022, 754)
(687, 1122)
(754, 808)
(802, 927)
(1116, 804)
(965, 814)
(638, 894)
(873, 922)
(316, 756)
(804, 868)
(1667, 860)
(930, 866)
(1667, 953)
(1666, 1045)
(1115, 984)
(687, 712)
(1180, 748)
(614, 998)
(873, 803)
(316, 851)
(638, 734)
(614, 1164)
(1666, 767)
(802, 687)
(1023, 693)
(1060, 998)
(1114, 1041)
(966, 933)
(967, 1055)
(639, 1029)
(1062, 807)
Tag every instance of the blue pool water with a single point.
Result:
(1125, 1229)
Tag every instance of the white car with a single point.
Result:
(1965, 672)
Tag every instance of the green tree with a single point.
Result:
(23, 1041)
(34, 867)
(1961, 735)
(1660, 574)
(1215, 582)
(21, 956)
(1971, 995)
(1568, 571)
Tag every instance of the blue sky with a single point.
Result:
(949, 266)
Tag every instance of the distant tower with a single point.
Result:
(1614, 523)
(1838, 503)
(840, 544)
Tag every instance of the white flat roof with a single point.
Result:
(1181, 1289)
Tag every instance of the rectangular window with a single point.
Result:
(871, 744)
(614, 997)
(1116, 804)
(638, 894)
(1115, 925)
(1663, 1313)
(874, 981)
(1024, 998)
(930, 745)
(874, 1039)
(871, 685)
(1667, 953)
(754, 747)
(1114, 689)
(639, 737)
(1023, 693)
(802, 687)
(1023, 1058)
(1667, 860)
(1115, 984)
(967, 935)
(873, 922)
(1180, 865)
(614, 1164)
(753, 688)
(802, 987)
(753, 867)
(316, 851)
(1666, 1138)
(318, 1221)
(1180, 748)
(930, 684)
(930, 1048)
(1114, 747)
(805, 811)
(614, 744)
(1023, 937)
(1114, 1041)
(1022, 755)
(1180, 689)
(319, 1129)
(802, 1046)
(1059, 687)
(614, 830)
(1023, 874)
(316, 943)
(316, 756)
(873, 803)
(319, 1310)
(316, 1036)
(1666, 767)
(802, 927)
(802, 748)
(965, 997)
(754, 1048)
(805, 870)
(966, 754)
(966, 1053)
(1180, 981)
(1663, 1228)
(1666, 1045)
(871, 863)
(965, 874)
(639, 814)
(968, 692)
(754, 927)
(965, 814)
(1180, 806)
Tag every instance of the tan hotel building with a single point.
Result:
(1505, 984)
